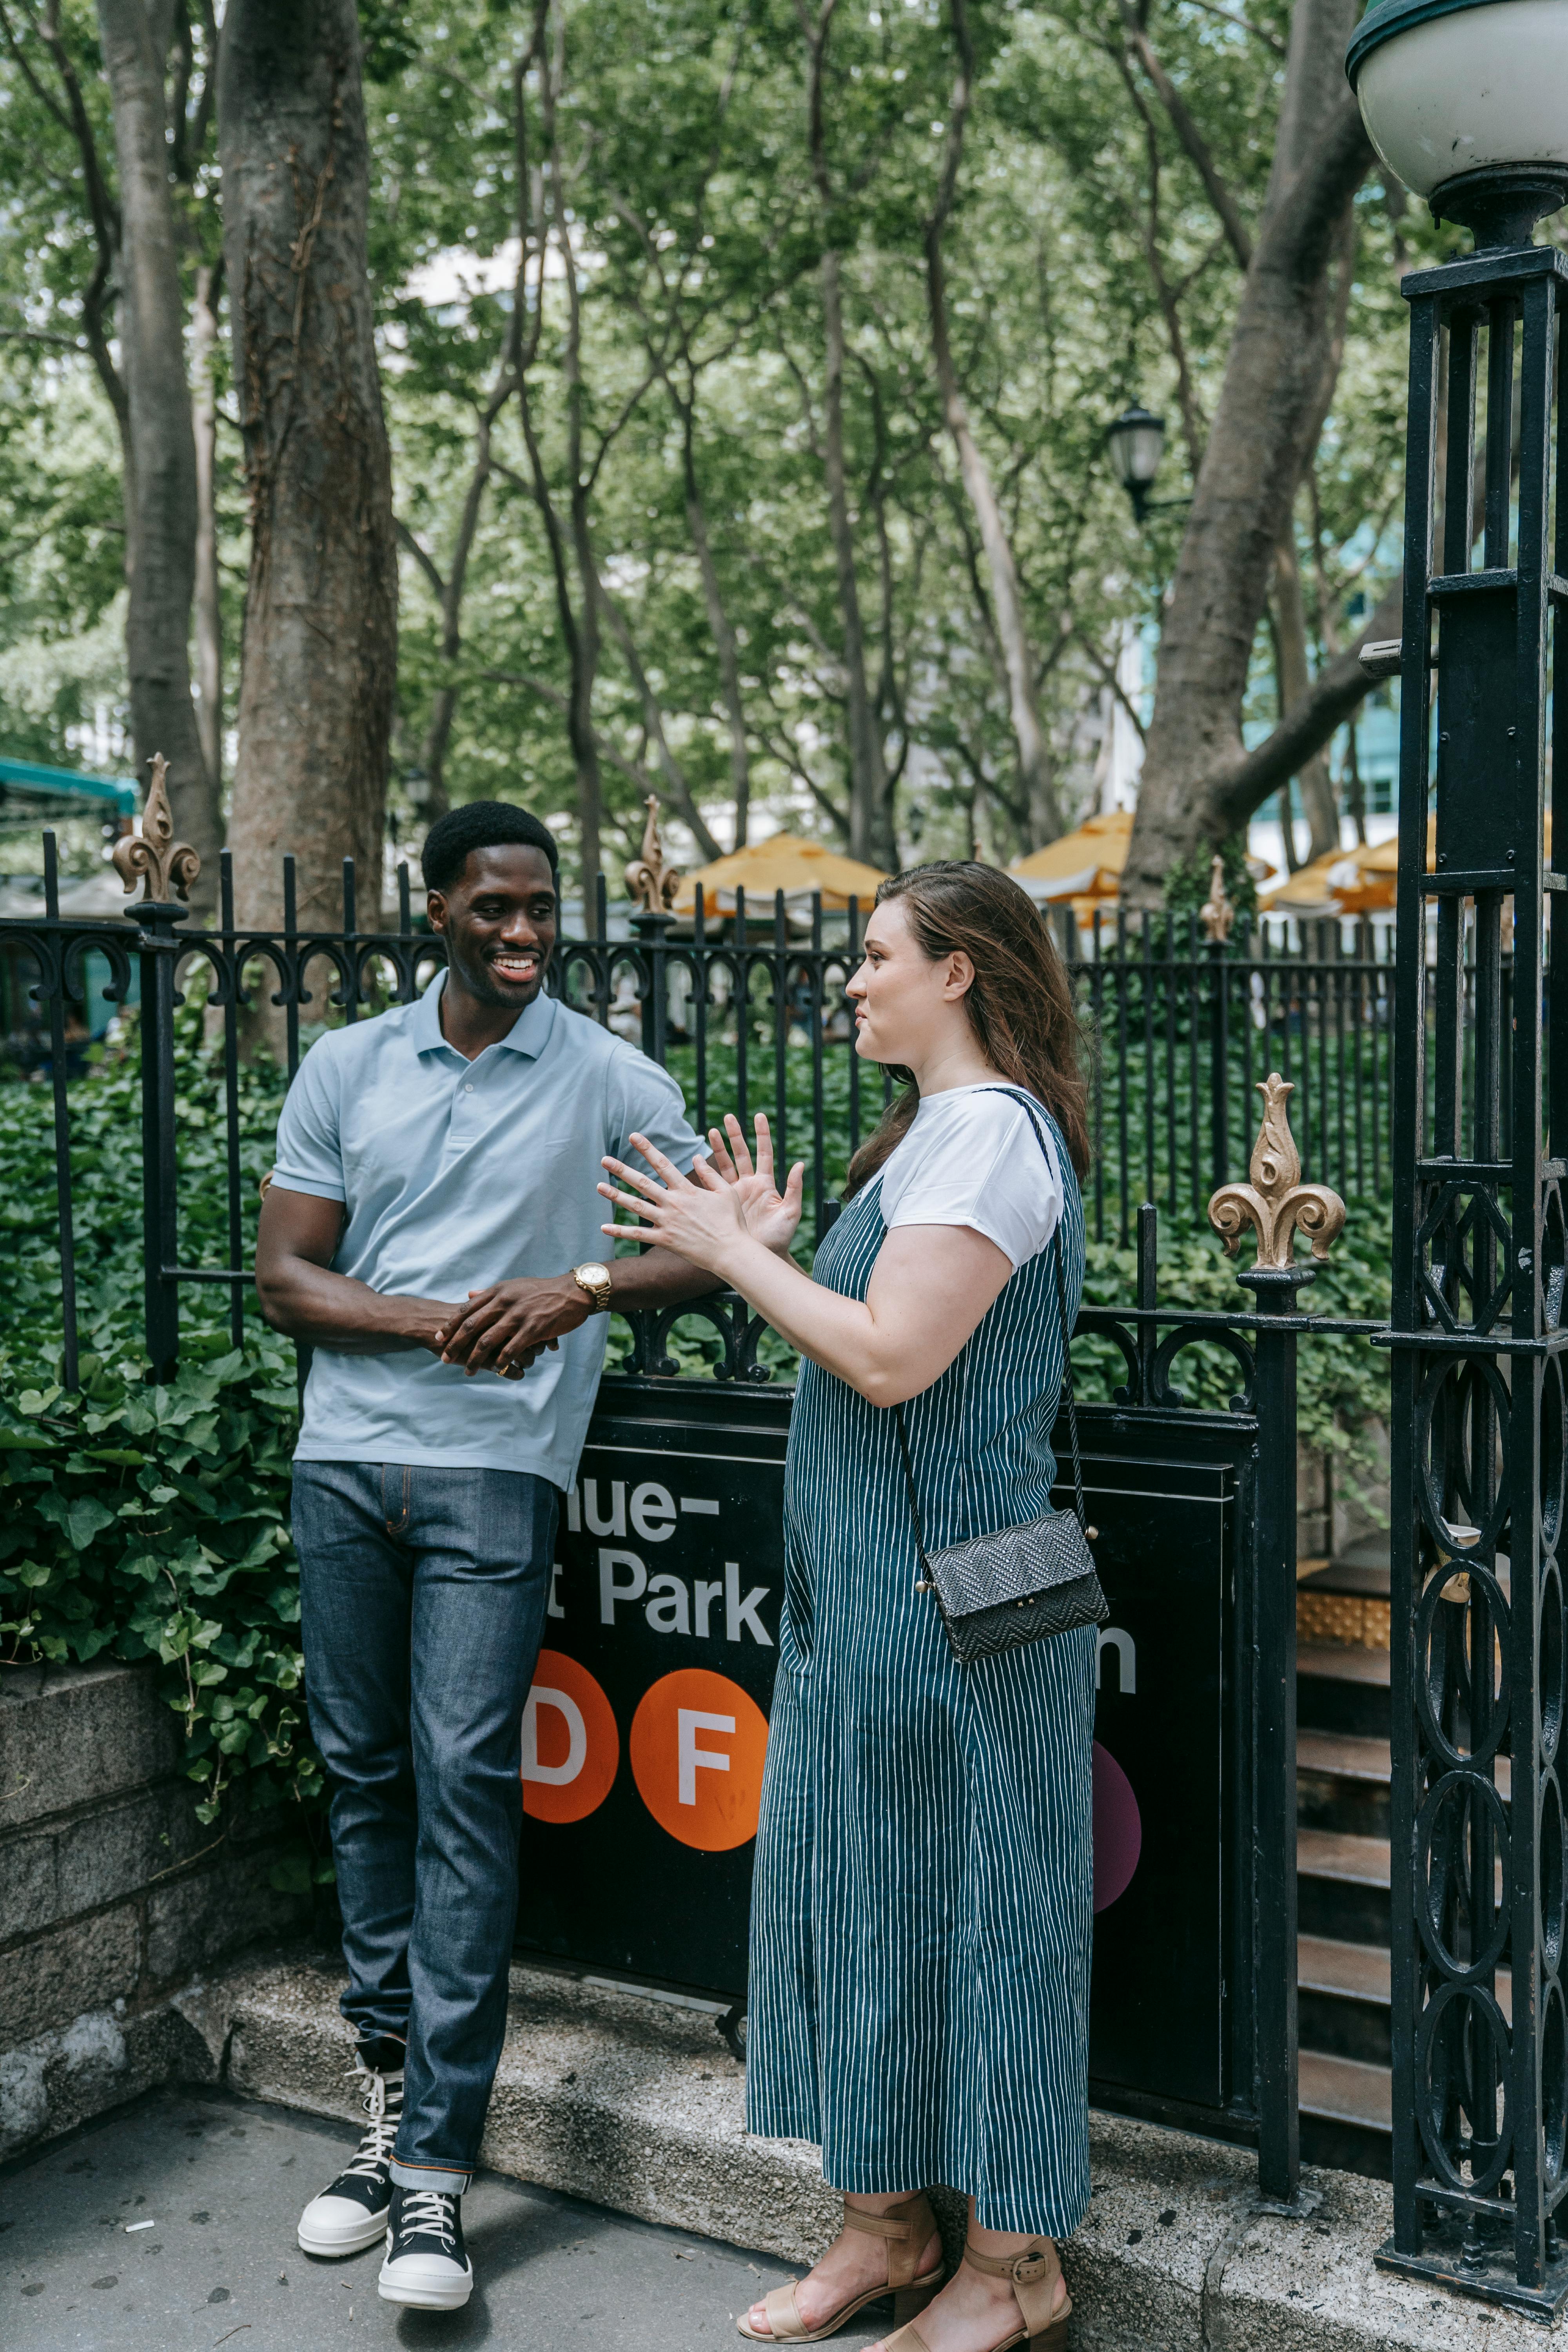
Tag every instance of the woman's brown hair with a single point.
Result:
(1019, 1005)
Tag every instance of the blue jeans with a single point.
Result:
(423, 1595)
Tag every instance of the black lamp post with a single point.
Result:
(1136, 440)
(1479, 1679)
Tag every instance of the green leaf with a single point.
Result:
(84, 1517)
(291, 1876)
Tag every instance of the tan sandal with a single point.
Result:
(906, 2229)
(1045, 2327)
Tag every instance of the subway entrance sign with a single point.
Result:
(646, 1731)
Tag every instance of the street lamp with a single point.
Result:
(1467, 101)
(1136, 440)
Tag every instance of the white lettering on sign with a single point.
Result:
(1126, 1649)
(672, 1604)
(553, 1775)
(610, 1592)
(700, 1503)
(689, 1757)
(554, 1608)
(653, 1514)
(615, 1525)
(668, 1609)
(703, 1597)
(738, 1612)
(574, 1512)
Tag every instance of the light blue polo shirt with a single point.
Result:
(457, 1174)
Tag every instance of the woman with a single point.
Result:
(922, 1906)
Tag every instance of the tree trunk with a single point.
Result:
(444, 708)
(1295, 684)
(870, 818)
(871, 834)
(209, 607)
(318, 661)
(161, 496)
(1036, 784)
(724, 640)
(1277, 383)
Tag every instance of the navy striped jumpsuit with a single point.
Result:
(922, 1902)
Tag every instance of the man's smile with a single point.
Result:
(519, 965)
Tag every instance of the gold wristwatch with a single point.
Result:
(595, 1279)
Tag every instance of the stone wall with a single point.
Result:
(113, 1897)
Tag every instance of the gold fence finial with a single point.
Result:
(1277, 1204)
(168, 866)
(651, 883)
(1216, 914)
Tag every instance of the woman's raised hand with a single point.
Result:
(699, 1216)
(771, 1216)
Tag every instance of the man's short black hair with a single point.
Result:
(480, 825)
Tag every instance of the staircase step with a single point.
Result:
(1342, 1991)
(1343, 1607)
(1360, 1973)
(1340, 1690)
(1356, 1761)
(1345, 2092)
(1347, 2113)
(1343, 1756)
(1342, 1782)
(1349, 1972)
(1367, 1579)
(1342, 1886)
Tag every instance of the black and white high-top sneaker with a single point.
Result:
(426, 2261)
(352, 2214)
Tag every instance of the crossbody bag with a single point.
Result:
(1023, 1583)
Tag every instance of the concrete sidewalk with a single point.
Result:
(222, 2181)
(622, 2182)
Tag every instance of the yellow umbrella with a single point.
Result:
(783, 862)
(1376, 871)
(1318, 889)
(1084, 864)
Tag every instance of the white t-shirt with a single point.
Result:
(971, 1157)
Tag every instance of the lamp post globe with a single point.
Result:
(1467, 101)
(1136, 441)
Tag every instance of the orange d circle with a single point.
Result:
(571, 1748)
(697, 1748)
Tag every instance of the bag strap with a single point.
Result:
(1027, 1103)
(925, 1585)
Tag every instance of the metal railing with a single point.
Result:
(748, 1011)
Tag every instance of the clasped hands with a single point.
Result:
(508, 1326)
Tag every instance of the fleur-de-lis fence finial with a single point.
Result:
(651, 883)
(1277, 1204)
(1216, 914)
(169, 866)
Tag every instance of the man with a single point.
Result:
(432, 1229)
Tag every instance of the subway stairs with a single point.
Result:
(1343, 1816)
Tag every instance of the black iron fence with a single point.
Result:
(747, 1009)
